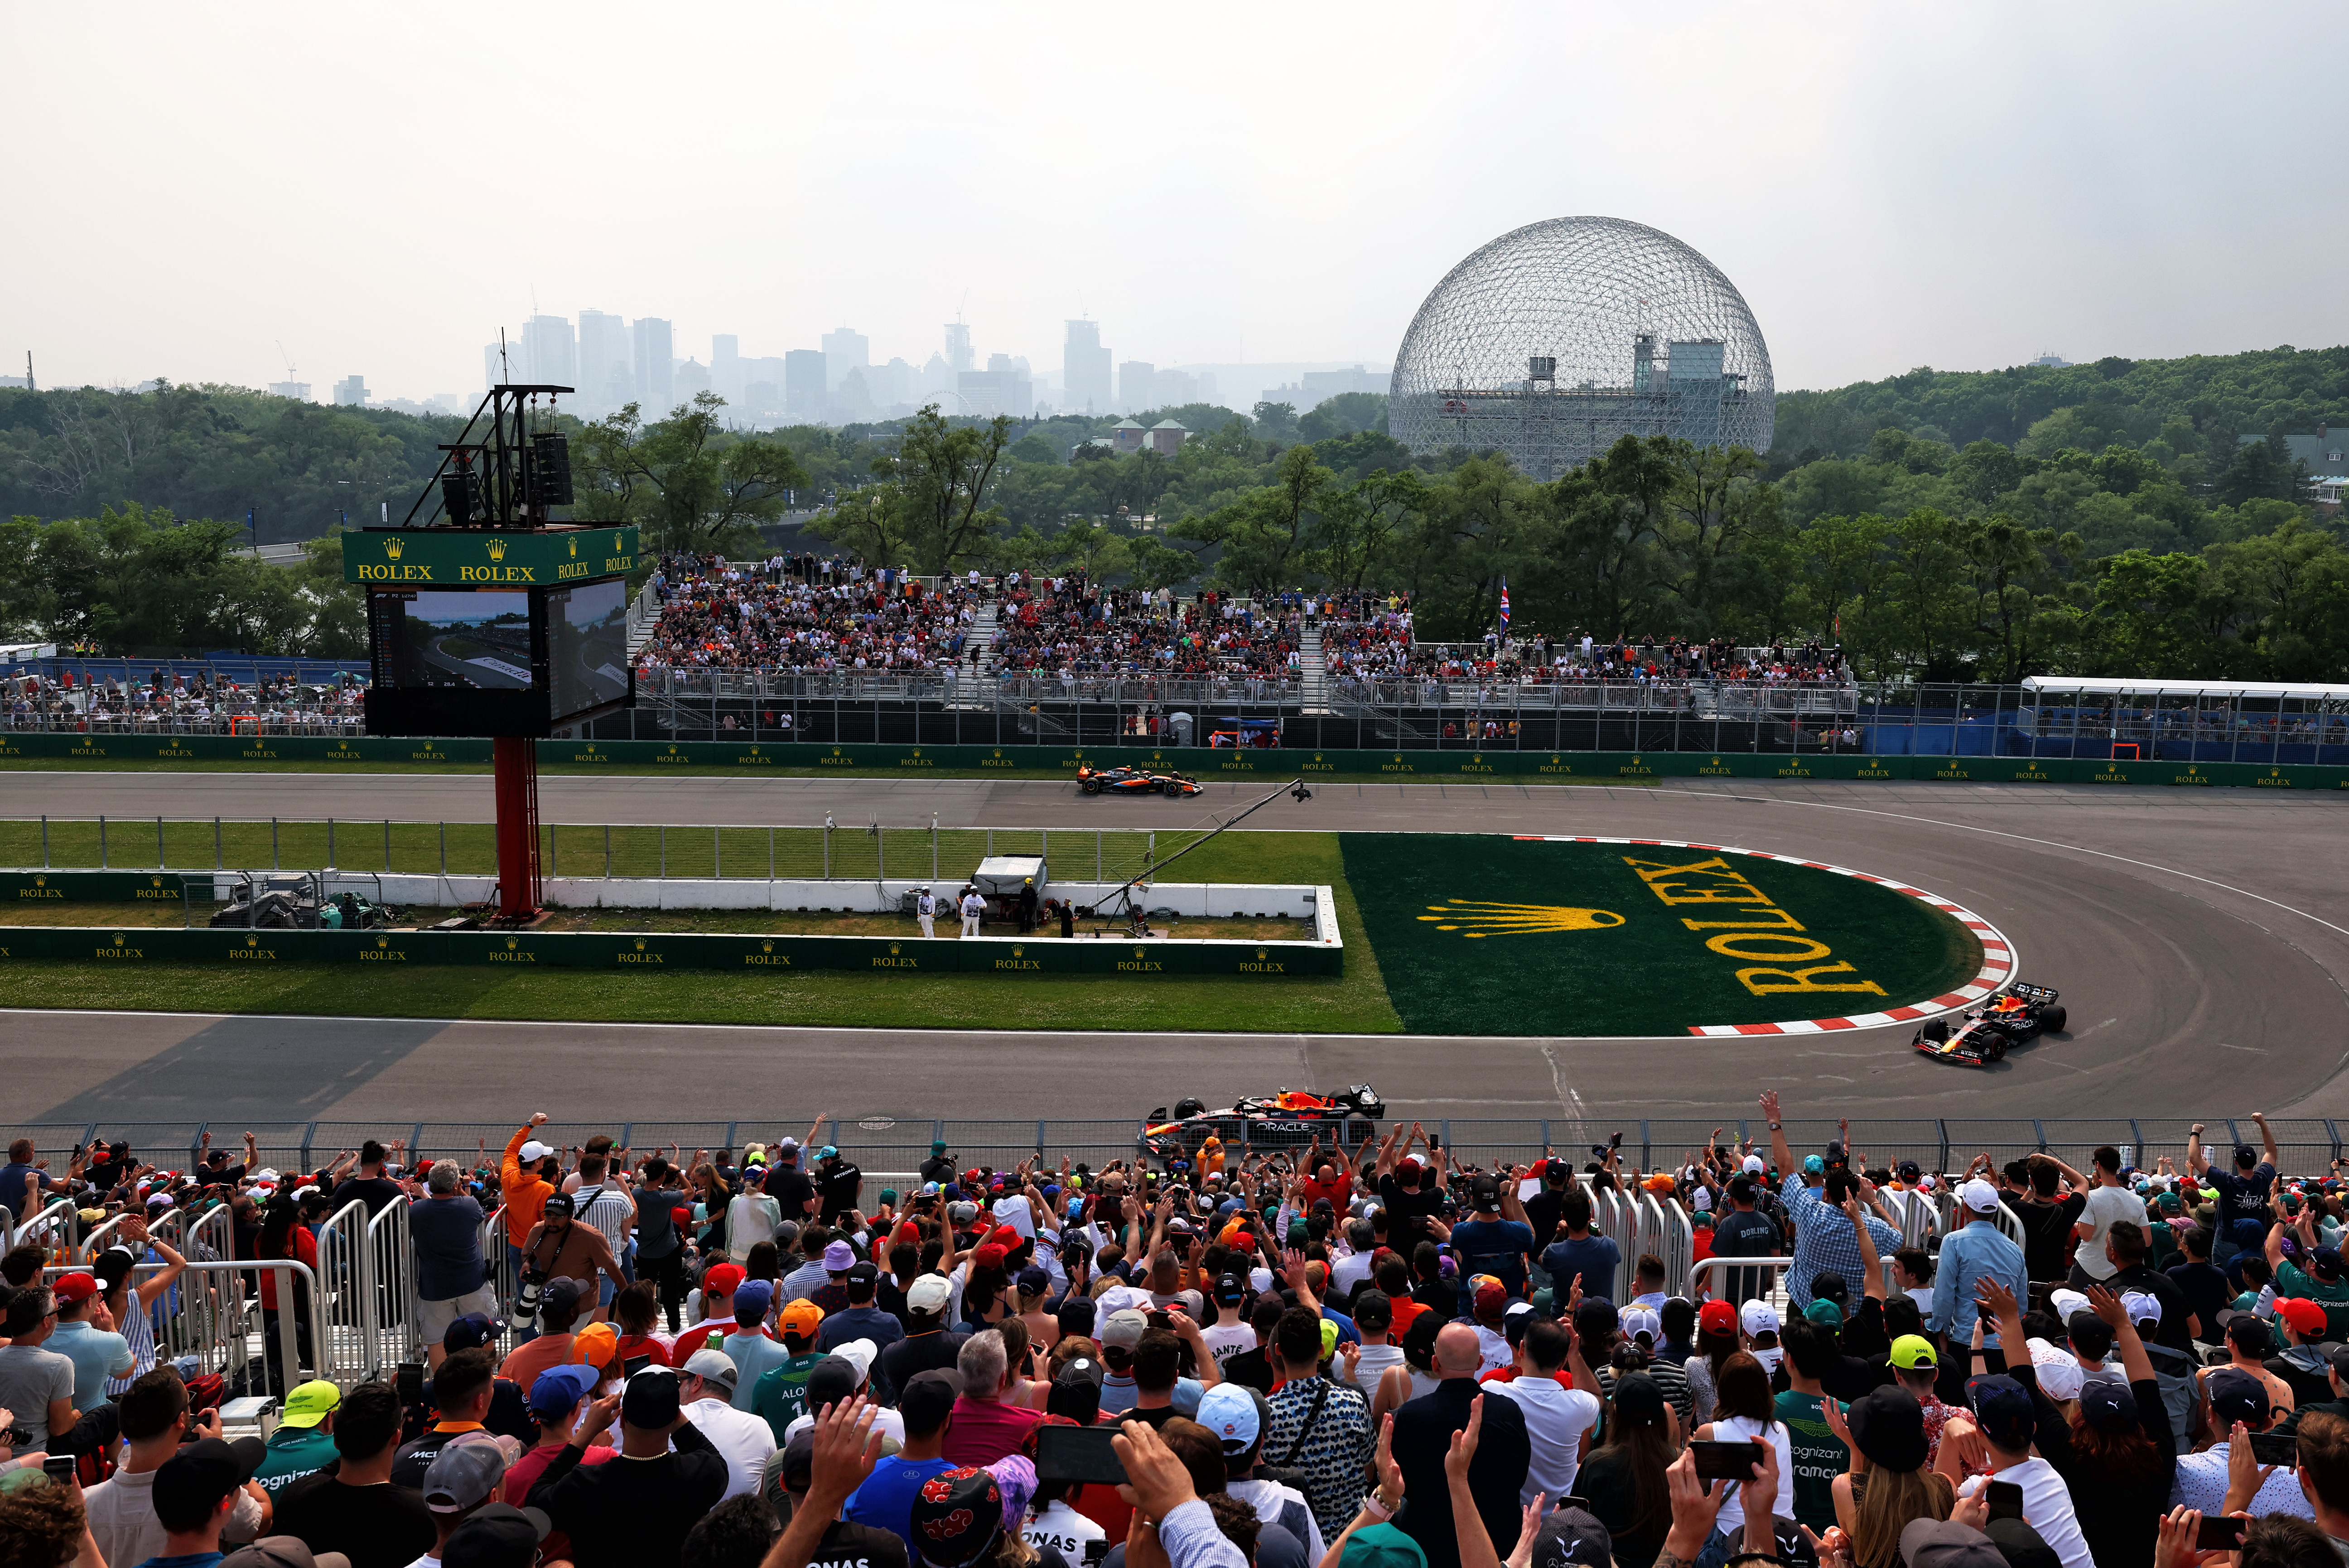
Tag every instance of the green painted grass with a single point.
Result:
(1475, 936)
(1355, 1002)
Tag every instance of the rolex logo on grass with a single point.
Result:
(1473, 919)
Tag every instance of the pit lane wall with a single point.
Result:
(1406, 765)
(908, 958)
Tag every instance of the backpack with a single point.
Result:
(2173, 1370)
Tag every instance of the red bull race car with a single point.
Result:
(1290, 1119)
(1981, 1033)
(1123, 780)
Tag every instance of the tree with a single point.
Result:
(1274, 422)
(694, 485)
(1357, 526)
(1263, 536)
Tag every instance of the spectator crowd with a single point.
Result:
(1374, 1356)
(792, 615)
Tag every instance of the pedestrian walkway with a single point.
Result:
(1312, 675)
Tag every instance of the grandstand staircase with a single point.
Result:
(643, 614)
(1313, 675)
(981, 641)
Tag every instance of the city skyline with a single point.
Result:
(1889, 188)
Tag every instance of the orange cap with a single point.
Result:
(802, 1317)
(598, 1345)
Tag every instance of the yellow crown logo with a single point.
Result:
(616, 539)
(575, 547)
(894, 947)
(512, 942)
(497, 549)
(1260, 955)
(120, 939)
(1019, 952)
(1476, 918)
(40, 881)
(1140, 952)
(253, 941)
(158, 881)
(383, 941)
(766, 947)
(392, 547)
(640, 944)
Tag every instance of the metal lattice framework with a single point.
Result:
(1555, 339)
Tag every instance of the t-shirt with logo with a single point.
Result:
(1228, 1340)
(1062, 1530)
(2241, 1197)
(847, 1545)
(780, 1396)
(294, 1452)
(1818, 1457)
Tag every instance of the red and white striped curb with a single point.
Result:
(1999, 964)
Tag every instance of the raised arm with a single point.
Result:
(1871, 1269)
(2267, 1140)
(1782, 1154)
(2197, 1161)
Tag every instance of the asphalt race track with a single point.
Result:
(2199, 937)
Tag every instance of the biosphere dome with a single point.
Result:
(1556, 338)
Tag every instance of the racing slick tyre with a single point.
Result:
(1090, 787)
(2052, 1020)
(1163, 788)
(1937, 1031)
(1997, 1051)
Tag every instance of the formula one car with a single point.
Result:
(1290, 1119)
(2010, 1017)
(1123, 780)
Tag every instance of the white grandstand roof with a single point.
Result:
(2101, 686)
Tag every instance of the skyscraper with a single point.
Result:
(1085, 370)
(844, 349)
(550, 351)
(803, 383)
(603, 362)
(351, 392)
(725, 366)
(653, 387)
(1137, 385)
(958, 354)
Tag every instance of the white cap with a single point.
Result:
(1702, 1201)
(266, 1173)
(532, 1149)
(1979, 1195)
(1638, 1320)
(2141, 1307)
(2059, 1371)
(1758, 1318)
(928, 1294)
(859, 1354)
(1259, 1279)
(2064, 1304)
(1754, 1166)
(1926, 1184)
(1516, 1307)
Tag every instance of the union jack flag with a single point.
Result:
(1504, 603)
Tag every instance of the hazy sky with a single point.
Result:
(381, 187)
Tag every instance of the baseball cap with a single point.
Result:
(284, 1552)
(714, 1366)
(2306, 1318)
(722, 1280)
(1981, 1197)
(1758, 1318)
(1485, 1195)
(533, 1151)
(1228, 1410)
(1945, 1543)
(1231, 1289)
(202, 1472)
(1124, 1328)
(927, 1294)
(2002, 1410)
(75, 1287)
(1914, 1352)
(1487, 1292)
(1906, 1170)
(2064, 1304)
(1034, 1280)
(464, 1473)
(831, 1380)
(956, 1515)
(558, 1206)
(1639, 1320)
(802, 1317)
(2327, 1262)
(560, 1294)
(1888, 1426)
(2235, 1396)
(860, 1354)
(2059, 1371)
(2107, 1404)
(1813, 1166)
(839, 1257)
(650, 1398)
(1754, 1166)
(1076, 1391)
(558, 1390)
(308, 1403)
(1381, 1546)
(2141, 1307)
(598, 1345)
(927, 1398)
(470, 1332)
(1572, 1535)
(1824, 1313)
(112, 1265)
(497, 1536)
(1717, 1317)
(1407, 1168)
(1639, 1399)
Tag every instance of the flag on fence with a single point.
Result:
(1504, 603)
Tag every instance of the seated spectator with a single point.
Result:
(155, 1422)
(624, 1515)
(985, 1428)
(352, 1506)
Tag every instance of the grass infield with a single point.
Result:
(1354, 1003)
(1485, 935)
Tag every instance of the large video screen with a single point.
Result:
(586, 647)
(478, 639)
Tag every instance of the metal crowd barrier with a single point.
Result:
(214, 1313)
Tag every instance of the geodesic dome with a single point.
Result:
(1555, 339)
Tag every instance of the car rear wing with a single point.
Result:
(2043, 994)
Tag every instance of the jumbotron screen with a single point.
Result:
(463, 639)
(497, 661)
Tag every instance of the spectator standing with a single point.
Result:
(195, 1494)
(2238, 1406)
(1591, 1259)
(1624, 1477)
(1422, 1436)
(554, 1401)
(2243, 1192)
(560, 1248)
(156, 1422)
(660, 1235)
(451, 1276)
(2108, 1200)
(743, 1441)
(526, 1179)
(861, 1319)
(927, 1346)
(777, 1391)
(1825, 1236)
(1744, 1232)
(304, 1443)
(986, 1428)
(2004, 1416)
(1559, 1418)
(2048, 1219)
(97, 1353)
(635, 1514)
(885, 1499)
(1495, 1239)
(1975, 1252)
(351, 1506)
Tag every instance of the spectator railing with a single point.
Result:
(214, 1317)
(54, 1219)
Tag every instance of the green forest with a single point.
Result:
(2124, 517)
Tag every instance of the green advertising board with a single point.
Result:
(485, 559)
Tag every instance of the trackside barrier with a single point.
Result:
(1699, 1275)
(214, 1316)
(390, 1287)
(51, 1226)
